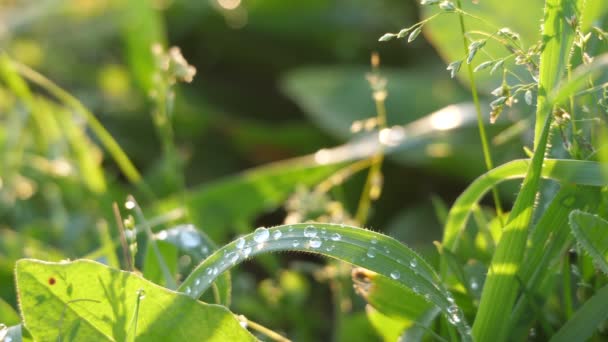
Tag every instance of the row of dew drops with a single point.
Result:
(319, 239)
(187, 236)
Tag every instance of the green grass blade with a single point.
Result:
(198, 246)
(547, 243)
(586, 319)
(500, 289)
(580, 77)
(591, 231)
(562, 170)
(360, 247)
(557, 39)
(123, 162)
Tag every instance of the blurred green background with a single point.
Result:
(275, 80)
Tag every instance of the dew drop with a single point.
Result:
(474, 284)
(450, 298)
(261, 235)
(188, 290)
(234, 258)
(336, 237)
(310, 231)
(162, 235)
(395, 274)
(247, 251)
(189, 238)
(240, 243)
(416, 289)
(371, 252)
(276, 235)
(413, 263)
(330, 248)
(295, 243)
(197, 282)
(209, 271)
(214, 271)
(374, 241)
(129, 204)
(454, 314)
(315, 242)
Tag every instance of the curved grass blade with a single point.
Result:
(586, 319)
(198, 246)
(591, 231)
(360, 247)
(562, 170)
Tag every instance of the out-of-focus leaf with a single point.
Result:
(335, 97)
(93, 302)
(142, 26)
(226, 205)
(8, 315)
(586, 319)
(521, 16)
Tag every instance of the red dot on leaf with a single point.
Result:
(52, 281)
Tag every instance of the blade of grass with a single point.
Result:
(586, 319)
(562, 170)
(364, 248)
(123, 162)
(547, 244)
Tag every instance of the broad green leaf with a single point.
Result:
(405, 315)
(388, 327)
(360, 247)
(591, 231)
(380, 292)
(586, 319)
(445, 34)
(85, 300)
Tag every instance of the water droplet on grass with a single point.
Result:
(413, 263)
(336, 237)
(189, 238)
(371, 252)
(454, 314)
(315, 242)
(295, 243)
(276, 235)
(247, 251)
(374, 241)
(261, 235)
(395, 274)
(129, 204)
(188, 290)
(240, 243)
(310, 231)
(197, 282)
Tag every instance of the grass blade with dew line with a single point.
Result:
(591, 231)
(585, 320)
(580, 76)
(562, 170)
(376, 252)
(198, 246)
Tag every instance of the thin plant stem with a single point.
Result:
(480, 124)
(273, 335)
